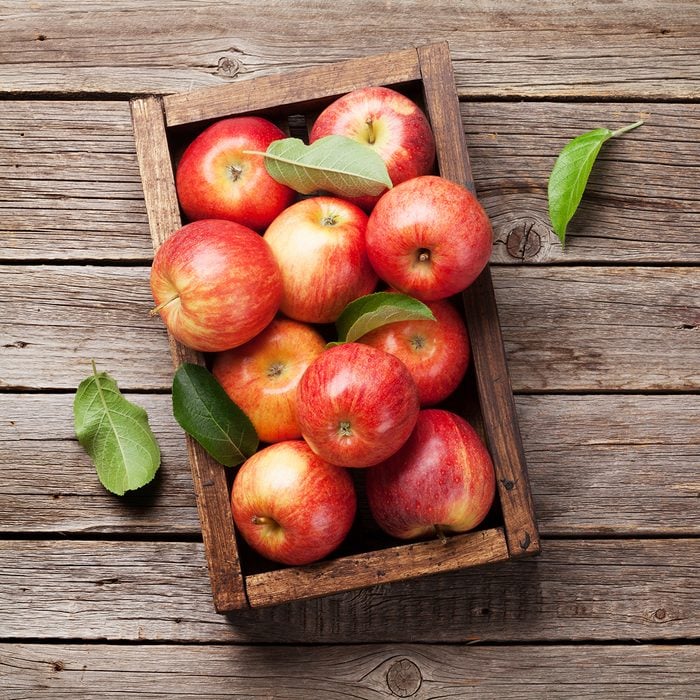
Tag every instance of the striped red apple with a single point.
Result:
(261, 377)
(216, 284)
(319, 245)
(441, 480)
(292, 506)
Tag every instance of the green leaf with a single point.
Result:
(569, 176)
(374, 310)
(204, 411)
(115, 433)
(336, 164)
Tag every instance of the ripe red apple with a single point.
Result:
(319, 244)
(442, 479)
(216, 179)
(429, 237)
(356, 405)
(216, 284)
(262, 376)
(290, 505)
(436, 353)
(392, 124)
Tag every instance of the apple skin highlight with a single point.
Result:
(319, 245)
(217, 179)
(262, 376)
(290, 505)
(429, 237)
(356, 405)
(443, 476)
(216, 284)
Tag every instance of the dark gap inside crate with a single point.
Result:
(296, 120)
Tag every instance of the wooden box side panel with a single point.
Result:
(208, 476)
(493, 382)
(296, 87)
(372, 568)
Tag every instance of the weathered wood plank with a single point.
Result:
(598, 465)
(208, 478)
(70, 186)
(399, 563)
(575, 590)
(38, 495)
(368, 672)
(55, 319)
(642, 201)
(521, 50)
(69, 182)
(565, 328)
(605, 328)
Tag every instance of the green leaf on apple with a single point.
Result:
(570, 173)
(115, 433)
(336, 164)
(372, 311)
(204, 411)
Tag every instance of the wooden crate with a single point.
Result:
(162, 127)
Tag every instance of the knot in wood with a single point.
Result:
(228, 67)
(404, 678)
(523, 241)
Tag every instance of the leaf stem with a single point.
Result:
(624, 129)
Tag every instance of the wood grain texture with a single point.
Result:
(367, 672)
(587, 589)
(69, 182)
(405, 561)
(70, 185)
(642, 201)
(479, 301)
(291, 87)
(565, 328)
(599, 465)
(645, 49)
(208, 478)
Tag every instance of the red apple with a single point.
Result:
(216, 179)
(262, 376)
(290, 505)
(356, 405)
(429, 238)
(392, 124)
(216, 284)
(319, 244)
(435, 352)
(442, 479)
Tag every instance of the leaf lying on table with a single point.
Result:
(569, 176)
(115, 433)
(335, 163)
(204, 411)
(374, 310)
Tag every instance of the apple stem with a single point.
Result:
(155, 311)
(262, 520)
(440, 534)
(423, 255)
(370, 130)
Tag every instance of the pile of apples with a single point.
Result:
(259, 303)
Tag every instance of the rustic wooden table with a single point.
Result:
(106, 596)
